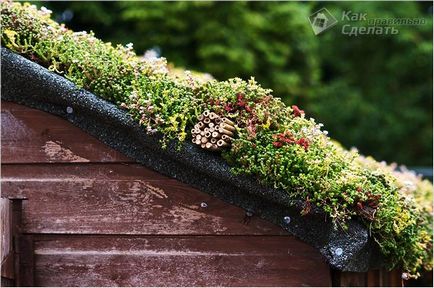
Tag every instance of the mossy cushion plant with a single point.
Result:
(277, 144)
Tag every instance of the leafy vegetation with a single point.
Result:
(276, 143)
(356, 86)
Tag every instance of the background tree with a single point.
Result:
(376, 90)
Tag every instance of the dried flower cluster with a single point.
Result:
(275, 143)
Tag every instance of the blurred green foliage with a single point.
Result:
(371, 91)
(376, 91)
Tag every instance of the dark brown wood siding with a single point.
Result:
(90, 216)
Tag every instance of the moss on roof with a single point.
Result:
(277, 144)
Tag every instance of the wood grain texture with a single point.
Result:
(5, 228)
(7, 257)
(120, 199)
(352, 279)
(391, 278)
(93, 218)
(178, 261)
(26, 271)
(33, 136)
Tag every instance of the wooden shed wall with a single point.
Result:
(82, 214)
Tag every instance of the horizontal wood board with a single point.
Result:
(177, 261)
(33, 136)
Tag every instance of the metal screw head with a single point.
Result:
(69, 110)
(287, 219)
(339, 251)
(203, 205)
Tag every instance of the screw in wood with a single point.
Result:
(203, 205)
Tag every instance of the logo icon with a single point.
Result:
(322, 20)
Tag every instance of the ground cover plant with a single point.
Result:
(278, 144)
(375, 87)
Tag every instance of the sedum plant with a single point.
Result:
(276, 143)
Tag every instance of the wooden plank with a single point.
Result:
(178, 261)
(17, 249)
(391, 278)
(120, 199)
(352, 279)
(7, 257)
(373, 278)
(33, 136)
(5, 228)
(17, 209)
(26, 261)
